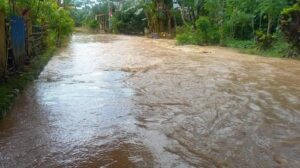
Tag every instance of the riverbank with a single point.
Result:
(279, 50)
(249, 48)
(86, 30)
(14, 84)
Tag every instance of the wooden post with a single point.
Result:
(29, 38)
(3, 55)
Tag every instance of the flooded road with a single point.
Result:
(119, 101)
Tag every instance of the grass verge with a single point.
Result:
(279, 49)
(11, 87)
(84, 30)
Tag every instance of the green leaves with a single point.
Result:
(3, 5)
(290, 23)
(130, 19)
(272, 7)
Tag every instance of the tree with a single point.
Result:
(191, 9)
(159, 12)
(290, 23)
(272, 9)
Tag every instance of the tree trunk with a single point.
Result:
(193, 16)
(169, 24)
(260, 21)
(222, 38)
(253, 26)
(182, 16)
(269, 25)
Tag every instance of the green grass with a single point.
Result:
(16, 83)
(187, 38)
(279, 49)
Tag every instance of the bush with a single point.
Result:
(3, 5)
(130, 21)
(51, 38)
(93, 24)
(205, 33)
(241, 44)
(186, 35)
(58, 20)
(208, 32)
(117, 24)
(264, 41)
(290, 23)
(203, 26)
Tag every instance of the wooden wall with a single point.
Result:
(3, 55)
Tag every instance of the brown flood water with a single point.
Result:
(109, 101)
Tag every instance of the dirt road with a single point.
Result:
(121, 101)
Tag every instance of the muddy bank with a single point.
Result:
(11, 87)
(113, 101)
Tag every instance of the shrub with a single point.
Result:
(130, 21)
(3, 5)
(188, 38)
(242, 44)
(51, 38)
(290, 23)
(203, 25)
(264, 41)
(117, 24)
(186, 35)
(93, 24)
(58, 20)
(207, 32)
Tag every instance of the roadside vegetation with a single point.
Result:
(266, 27)
(128, 16)
(50, 14)
(16, 83)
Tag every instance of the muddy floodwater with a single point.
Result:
(108, 101)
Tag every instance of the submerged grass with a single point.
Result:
(11, 87)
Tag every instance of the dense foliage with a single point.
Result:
(3, 5)
(57, 18)
(84, 12)
(290, 24)
(129, 20)
(160, 16)
(50, 13)
(129, 16)
(264, 23)
(205, 32)
(223, 21)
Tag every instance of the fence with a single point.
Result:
(20, 41)
(3, 55)
(37, 39)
